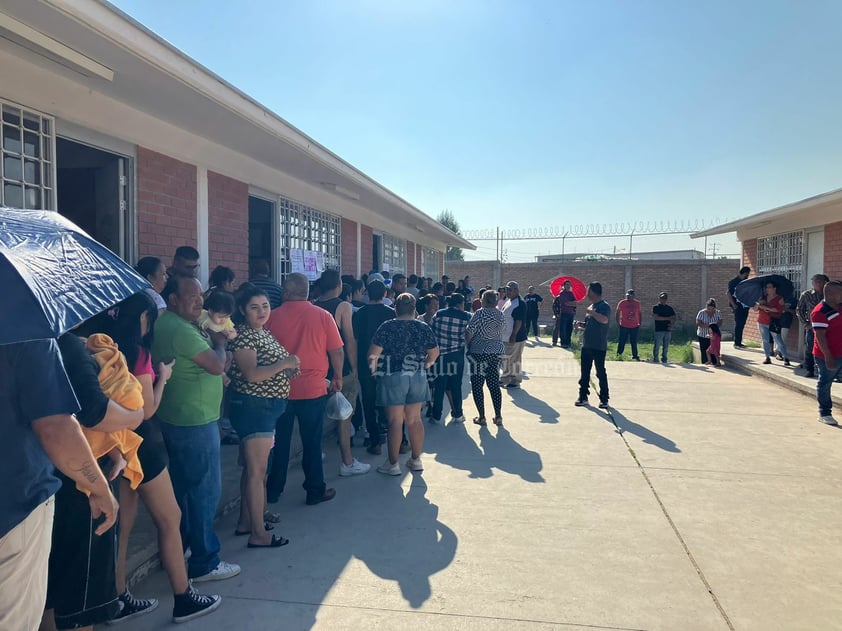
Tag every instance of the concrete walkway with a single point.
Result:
(705, 500)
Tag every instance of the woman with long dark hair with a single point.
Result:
(130, 324)
(154, 270)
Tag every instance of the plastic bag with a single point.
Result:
(338, 408)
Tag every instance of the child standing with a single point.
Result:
(715, 344)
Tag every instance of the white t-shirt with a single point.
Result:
(159, 301)
(508, 320)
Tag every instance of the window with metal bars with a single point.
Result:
(394, 254)
(305, 228)
(430, 261)
(27, 168)
(782, 254)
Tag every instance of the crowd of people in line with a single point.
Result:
(159, 381)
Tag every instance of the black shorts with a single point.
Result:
(81, 582)
(152, 452)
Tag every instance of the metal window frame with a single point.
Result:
(430, 263)
(783, 254)
(307, 228)
(47, 193)
(394, 253)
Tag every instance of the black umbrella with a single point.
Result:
(54, 276)
(751, 291)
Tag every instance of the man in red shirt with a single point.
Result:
(309, 332)
(628, 319)
(827, 348)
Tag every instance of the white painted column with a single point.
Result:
(202, 223)
(359, 249)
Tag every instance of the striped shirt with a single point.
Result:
(706, 319)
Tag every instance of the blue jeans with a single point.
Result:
(197, 483)
(767, 346)
(310, 414)
(826, 377)
(450, 369)
(662, 341)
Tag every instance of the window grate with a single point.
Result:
(27, 168)
(305, 228)
(430, 260)
(782, 254)
(394, 254)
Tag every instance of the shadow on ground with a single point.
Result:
(525, 401)
(648, 436)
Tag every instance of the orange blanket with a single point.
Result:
(119, 385)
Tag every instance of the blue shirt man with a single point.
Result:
(594, 345)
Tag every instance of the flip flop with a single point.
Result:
(480, 421)
(243, 533)
(277, 542)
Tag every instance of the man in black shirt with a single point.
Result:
(664, 317)
(365, 323)
(594, 346)
(739, 309)
(533, 305)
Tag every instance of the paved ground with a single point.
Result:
(706, 500)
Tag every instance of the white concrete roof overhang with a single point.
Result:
(815, 211)
(154, 77)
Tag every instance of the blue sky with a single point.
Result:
(536, 113)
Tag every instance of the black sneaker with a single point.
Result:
(191, 604)
(131, 607)
(603, 405)
(581, 402)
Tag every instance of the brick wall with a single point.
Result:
(833, 250)
(366, 245)
(682, 280)
(228, 224)
(349, 247)
(418, 266)
(166, 204)
(750, 259)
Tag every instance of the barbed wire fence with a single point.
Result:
(621, 229)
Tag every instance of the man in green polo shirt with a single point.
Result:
(189, 409)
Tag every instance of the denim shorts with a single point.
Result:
(402, 388)
(254, 417)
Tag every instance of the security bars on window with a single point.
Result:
(306, 228)
(27, 168)
(430, 263)
(782, 254)
(394, 254)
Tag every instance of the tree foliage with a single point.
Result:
(448, 220)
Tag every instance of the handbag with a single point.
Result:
(775, 325)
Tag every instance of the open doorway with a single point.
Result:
(91, 192)
(377, 252)
(261, 233)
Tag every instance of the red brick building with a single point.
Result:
(108, 124)
(796, 240)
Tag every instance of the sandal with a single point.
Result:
(243, 533)
(277, 542)
(498, 420)
(272, 518)
(478, 420)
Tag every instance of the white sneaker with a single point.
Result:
(355, 468)
(827, 419)
(457, 419)
(219, 573)
(388, 468)
(414, 464)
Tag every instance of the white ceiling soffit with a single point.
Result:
(153, 76)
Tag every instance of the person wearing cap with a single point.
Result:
(628, 319)
(564, 312)
(514, 336)
(806, 303)
(378, 276)
(664, 317)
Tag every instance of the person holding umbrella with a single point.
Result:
(769, 310)
(739, 309)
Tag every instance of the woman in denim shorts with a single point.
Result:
(400, 352)
(260, 374)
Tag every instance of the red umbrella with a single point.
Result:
(576, 286)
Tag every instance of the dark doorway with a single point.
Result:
(377, 252)
(91, 192)
(261, 241)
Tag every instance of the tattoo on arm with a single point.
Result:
(89, 470)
